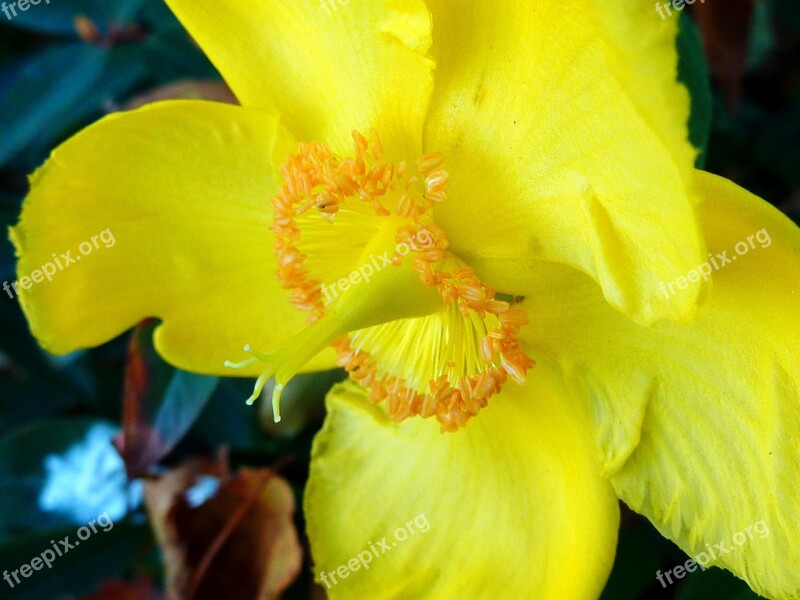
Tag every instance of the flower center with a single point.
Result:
(360, 252)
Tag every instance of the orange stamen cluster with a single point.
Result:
(315, 177)
(452, 404)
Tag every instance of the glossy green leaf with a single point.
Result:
(693, 73)
(9, 211)
(104, 554)
(56, 91)
(39, 94)
(58, 16)
(30, 377)
(171, 55)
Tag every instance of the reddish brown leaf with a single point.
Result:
(726, 27)
(133, 444)
(241, 544)
(318, 593)
(216, 91)
(159, 404)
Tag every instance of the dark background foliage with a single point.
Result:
(64, 65)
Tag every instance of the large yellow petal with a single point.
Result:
(699, 424)
(182, 190)
(565, 131)
(510, 507)
(327, 67)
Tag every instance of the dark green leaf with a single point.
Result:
(16, 342)
(227, 420)
(156, 16)
(40, 93)
(777, 148)
(68, 105)
(106, 553)
(31, 376)
(786, 13)
(693, 73)
(19, 391)
(714, 583)
(634, 568)
(762, 42)
(58, 16)
(171, 55)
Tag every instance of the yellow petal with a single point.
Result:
(512, 506)
(565, 131)
(699, 423)
(327, 67)
(182, 193)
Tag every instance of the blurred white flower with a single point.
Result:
(89, 479)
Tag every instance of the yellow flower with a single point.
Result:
(532, 154)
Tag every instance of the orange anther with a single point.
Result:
(429, 162)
